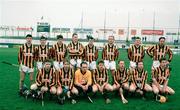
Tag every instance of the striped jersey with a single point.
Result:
(67, 77)
(159, 73)
(26, 55)
(60, 52)
(100, 77)
(90, 53)
(121, 76)
(79, 47)
(136, 54)
(42, 53)
(110, 52)
(157, 52)
(42, 74)
(139, 74)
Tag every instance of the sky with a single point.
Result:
(68, 13)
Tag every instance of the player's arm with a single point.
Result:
(150, 51)
(126, 76)
(20, 55)
(81, 50)
(53, 78)
(134, 77)
(39, 78)
(144, 78)
(76, 82)
(116, 53)
(89, 79)
(166, 78)
(72, 79)
(115, 80)
(129, 53)
(104, 53)
(36, 53)
(143, 52)
(96, 54)
(170, 53)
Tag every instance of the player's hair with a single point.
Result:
(100, 61)
(83, 63)
(74, 34)
(139, 62)
(162, 38)
(60, 36)
(120, 61)
(111, 36)
(28, 35)
(162, 59)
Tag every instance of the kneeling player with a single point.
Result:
(66, 78)
(121, 80)
(44, 79)
(100, 77)
(83, 82)
(160, 78)
(139, 80)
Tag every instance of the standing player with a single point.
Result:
(110, 54)
(75, 51)
(42, 52)
(91, 54)
(159, 51)
(136, 53)
(160, 78)
(83, 81)
(59, 53)
(26, 57)
(121, 80)
(100, 77)
(139, 78)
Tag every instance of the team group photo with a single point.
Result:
(112, 60)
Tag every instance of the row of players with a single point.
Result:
(28, 53)
(70, 83)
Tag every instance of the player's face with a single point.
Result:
(43, 42)
(163, 63)
(137, 42)
(91, 42)
(101, 66)
(140, 65)
(121, 64)
(162, 41)
(84, 67)
(47, 66)
(66, 65)
(75, 38)
(111, 39)
(29, 40)
(60, 41)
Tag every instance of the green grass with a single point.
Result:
(9, 99)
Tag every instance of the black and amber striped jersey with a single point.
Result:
(26, 55)
(139, 77)
(60, 52)
(121, 75)
(90, 53)
(100, 77)
(157, 52)
(42, 74)
(77, 47)
(136, 54)
(110, 52)
(161, 75)
(42, 53)
(67, 77)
